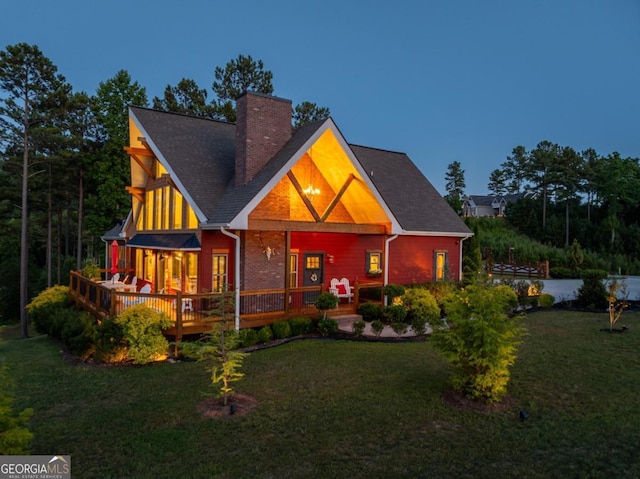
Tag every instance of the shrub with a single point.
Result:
(43, 309)
(377, 327)
(392, 291)
(481, 341)
(399, 328)
(142, 327)
(281, 329)
(593, 293)
(419, 325)
(370, 311)
(326, 301)
(358, 327)
(395, 313)
(78, 332)
(560, 272)
(110, 345)
(91, 269)
(327, 326)
(546, 300)
(248, 337)
(15, 437)
(420, 304)
(265, 334)
(301, 326)
(441, 290)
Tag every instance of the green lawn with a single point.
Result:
(346, 409)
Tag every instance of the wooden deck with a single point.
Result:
(195, 313)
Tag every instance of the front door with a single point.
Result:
(312, 274)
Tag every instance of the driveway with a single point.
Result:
(567, 289)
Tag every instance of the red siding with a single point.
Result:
(411, 258)
(348, 251)
(214, 240)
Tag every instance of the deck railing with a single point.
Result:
(194, 313)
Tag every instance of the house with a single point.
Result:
(487, 205)
(261, 206)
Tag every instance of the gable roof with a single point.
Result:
(200, 156)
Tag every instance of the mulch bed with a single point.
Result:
(238, 405)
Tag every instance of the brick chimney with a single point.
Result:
(263, 127)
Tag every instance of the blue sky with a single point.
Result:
(441, 80)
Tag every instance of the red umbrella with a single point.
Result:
(114, 257)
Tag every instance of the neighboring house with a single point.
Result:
(259, 205)
(487, 205)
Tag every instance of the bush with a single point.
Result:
(110, 345)
(377, 327)
(78, 332)
(326, 301)
(546, 300)
(248, 337)
(142, 328)
(399, 328)
(327, 326)
(593, 293)
(420, 304)
(301, 326)
(44, 308)
(481, 341)
(394, 313)
(265, 334)
(281, 329)
(358, 327)
(15, 437)
(392, 291)
(560, 272)
(419, 325)
(370, 311)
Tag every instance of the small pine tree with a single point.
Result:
(220, 346)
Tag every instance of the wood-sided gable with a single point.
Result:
(322, 187)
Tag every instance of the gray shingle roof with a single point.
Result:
(201, 152)
(413, 200)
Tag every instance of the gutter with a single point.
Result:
(460, 255)
(236, 273)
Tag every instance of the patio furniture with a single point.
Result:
(341, 288)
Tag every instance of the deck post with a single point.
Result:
(178, 305)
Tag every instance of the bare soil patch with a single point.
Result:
(238, 405)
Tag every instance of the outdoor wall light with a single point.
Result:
(330, 258)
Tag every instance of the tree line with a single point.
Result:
(63, 170)
(562, 196)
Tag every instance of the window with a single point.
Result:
(219, 272)
(440, 265)
(313, 262)
(293, 270)
(373, 264)
(165, 209)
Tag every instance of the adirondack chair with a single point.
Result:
(341, 288)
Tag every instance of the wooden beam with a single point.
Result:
(283, 225)
(138, 151)
(304, 197)
(137, 192)
(337, 198)
(146, 169)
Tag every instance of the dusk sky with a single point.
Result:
(441, 80)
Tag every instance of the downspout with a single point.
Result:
(236, 274)
(386, 261)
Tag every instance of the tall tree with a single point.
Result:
(568, 176)
(307, 112)
(455, 185)
(186, 98)
(542, 161)
(109, 174)
(29, 80)
(497, 182)
(515, 169)
(238, 76)
(591, 166)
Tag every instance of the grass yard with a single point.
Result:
(333, 409)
